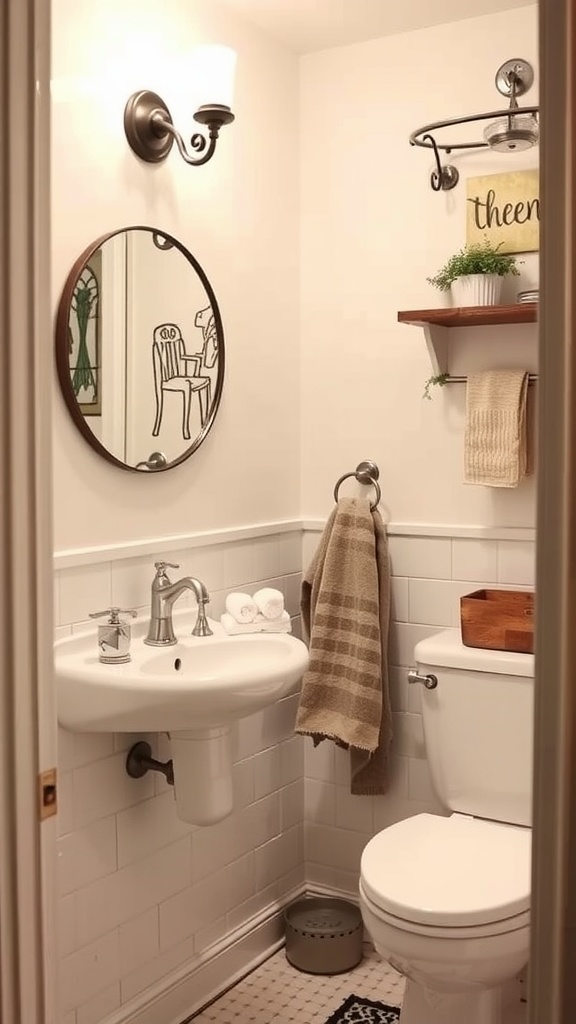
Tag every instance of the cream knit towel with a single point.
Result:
(495, 433)
(346, 610)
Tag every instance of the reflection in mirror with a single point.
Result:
(140, 349)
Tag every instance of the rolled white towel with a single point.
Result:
(260, 625)
(234, 628)
(241, 607)
(282, 624)
(269, 602)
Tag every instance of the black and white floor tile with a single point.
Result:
(276, 993)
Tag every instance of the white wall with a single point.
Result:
(238, 215)
(372, 231)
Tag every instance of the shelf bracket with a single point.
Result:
(437, 342)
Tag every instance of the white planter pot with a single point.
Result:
(477, 290)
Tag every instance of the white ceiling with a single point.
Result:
(307, 25)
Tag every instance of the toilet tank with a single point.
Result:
(478, 727)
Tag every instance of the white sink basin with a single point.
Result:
(194, 690)
(199, 683)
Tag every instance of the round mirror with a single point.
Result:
(140, 349)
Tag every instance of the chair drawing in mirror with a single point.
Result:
(177, 371)
(206, 321)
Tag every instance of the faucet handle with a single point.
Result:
(162, 580)
(114, 612)
(162, 566)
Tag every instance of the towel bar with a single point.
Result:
(532, 379)
(366, 472)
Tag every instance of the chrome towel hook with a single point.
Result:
(366, 472)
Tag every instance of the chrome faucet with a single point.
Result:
(164, 594)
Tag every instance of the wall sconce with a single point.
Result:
(148, 124)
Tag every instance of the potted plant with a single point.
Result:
(475, 274)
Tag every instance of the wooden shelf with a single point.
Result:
(472, 316)
(436, 324)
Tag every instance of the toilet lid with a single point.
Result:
(450, 872)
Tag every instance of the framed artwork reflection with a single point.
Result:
(84, 338)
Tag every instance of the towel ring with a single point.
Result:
(366, 472)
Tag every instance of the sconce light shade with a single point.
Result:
(148, 124)
(212, 70)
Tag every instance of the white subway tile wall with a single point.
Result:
(97, 1009)
(142, 893)
(474, 560)
(516, 563)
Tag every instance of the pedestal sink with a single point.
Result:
(194, 690)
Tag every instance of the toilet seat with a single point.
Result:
(479, 931)
(449, 873)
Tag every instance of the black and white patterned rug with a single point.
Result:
(357, 1010)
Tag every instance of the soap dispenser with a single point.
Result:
(114, 636)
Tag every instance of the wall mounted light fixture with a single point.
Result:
(510, 131)
(148, 123)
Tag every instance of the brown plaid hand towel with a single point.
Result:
(346, 608)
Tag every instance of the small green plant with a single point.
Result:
(480, 258)
(440, 380)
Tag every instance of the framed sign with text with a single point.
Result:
(505, 209)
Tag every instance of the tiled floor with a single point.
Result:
(276, 993)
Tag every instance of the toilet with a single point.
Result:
(446, 900)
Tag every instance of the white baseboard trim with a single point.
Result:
(176, 998)
(330, 890)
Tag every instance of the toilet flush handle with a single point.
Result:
(429, 681)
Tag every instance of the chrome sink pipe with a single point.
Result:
(163, 595)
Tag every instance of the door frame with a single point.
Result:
(27, 741)
(552, 995)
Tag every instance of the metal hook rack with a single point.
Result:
(514, 78)
(366, 472)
